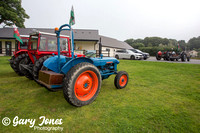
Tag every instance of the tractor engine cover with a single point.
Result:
(50, 78)
(159, 53)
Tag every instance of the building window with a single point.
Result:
(108, 49)
(0, 47)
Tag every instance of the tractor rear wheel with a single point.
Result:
(82, 84)
(38, 65)
(121, 79)
(16, 64)
(12, 62)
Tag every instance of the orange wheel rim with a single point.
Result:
(86, 85)
(123, 80)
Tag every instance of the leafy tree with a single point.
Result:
(165, 41)
(194, 43)
(137, 45)
(129, 41)
(173, 42)
(182, 44)
(12, 12)
(139, 41)
(155, 41)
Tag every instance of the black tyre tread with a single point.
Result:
(26, 72)
(68, 83)
(12, 62)
(17, 62)
(117, 77)
(38, 65)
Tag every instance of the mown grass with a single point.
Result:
(160, 97)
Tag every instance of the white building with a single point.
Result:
(83, 39)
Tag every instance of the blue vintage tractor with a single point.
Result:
(79, 77)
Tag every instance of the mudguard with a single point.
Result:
(71, 63)
(52, 63)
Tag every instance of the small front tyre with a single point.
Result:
(121, 80)
(82, 84)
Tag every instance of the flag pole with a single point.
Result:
(72, 42)
(72, 22)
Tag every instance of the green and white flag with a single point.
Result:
(72, 17)
(17, 35)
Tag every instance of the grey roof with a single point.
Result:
(114, 43)
(79, 34)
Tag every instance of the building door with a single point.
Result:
(8, 48)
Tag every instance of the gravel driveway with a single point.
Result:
(192, 61)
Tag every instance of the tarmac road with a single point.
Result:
(192, 61)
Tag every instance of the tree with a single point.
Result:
(153, 41)
(129, 41)
(182, 44)
(12, 12)
(194, 43)
(137, 45)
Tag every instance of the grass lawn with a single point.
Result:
(160, 97)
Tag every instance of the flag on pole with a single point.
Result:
(17, 35)
(72, 17)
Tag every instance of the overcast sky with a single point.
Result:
(120, 19)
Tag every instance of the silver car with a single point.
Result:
(128, 54)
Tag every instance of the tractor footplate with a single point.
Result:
(50, 79)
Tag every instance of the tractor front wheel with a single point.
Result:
(38, 65)
(121, 80)
(82, 84)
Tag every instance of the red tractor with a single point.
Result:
(172, 55)
(41, 46)
(21, 48)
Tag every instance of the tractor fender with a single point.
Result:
(74, 62)
(17, 53)
(52, 62)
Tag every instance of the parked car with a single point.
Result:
(146, 55)
(128, 54)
